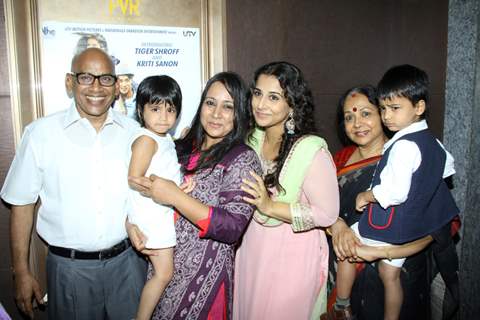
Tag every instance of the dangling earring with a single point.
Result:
(290, 124)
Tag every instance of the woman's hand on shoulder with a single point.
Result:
(345, 242)
(258, 192)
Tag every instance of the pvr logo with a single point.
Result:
(129, 7)
(189, 33)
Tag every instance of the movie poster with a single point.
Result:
(137, 51)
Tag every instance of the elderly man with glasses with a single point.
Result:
(73, 164)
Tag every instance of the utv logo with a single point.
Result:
(189, 33)
(48, 32)
(126, 7)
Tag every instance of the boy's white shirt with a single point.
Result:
(404, 159)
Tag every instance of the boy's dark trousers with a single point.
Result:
(446, 262)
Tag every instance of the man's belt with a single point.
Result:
(91, 255)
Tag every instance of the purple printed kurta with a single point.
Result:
(202, 265)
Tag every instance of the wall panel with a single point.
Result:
(340, 44)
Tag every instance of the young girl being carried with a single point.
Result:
(158, 105)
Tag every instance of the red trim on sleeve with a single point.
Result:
(204, 223)
(176, 215)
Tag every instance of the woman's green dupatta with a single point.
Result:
(293, 172)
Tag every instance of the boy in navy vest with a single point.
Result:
(409, 198)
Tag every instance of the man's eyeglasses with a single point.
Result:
(87, 79)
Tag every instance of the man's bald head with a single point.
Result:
(94, 55)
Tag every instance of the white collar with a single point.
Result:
(73, 116)
(414, 127)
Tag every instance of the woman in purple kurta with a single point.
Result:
(204, 265)
(213, 215)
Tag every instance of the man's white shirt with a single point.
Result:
(80, 176)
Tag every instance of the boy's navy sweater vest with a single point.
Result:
(429, 205)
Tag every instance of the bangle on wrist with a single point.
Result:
(329, 231)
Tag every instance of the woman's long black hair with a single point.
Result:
(194, 139)
(300, 99)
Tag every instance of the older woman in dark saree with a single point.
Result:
(360, 123)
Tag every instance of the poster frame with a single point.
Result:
(24, 54)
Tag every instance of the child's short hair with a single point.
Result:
(155, 90)
(404, 81)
